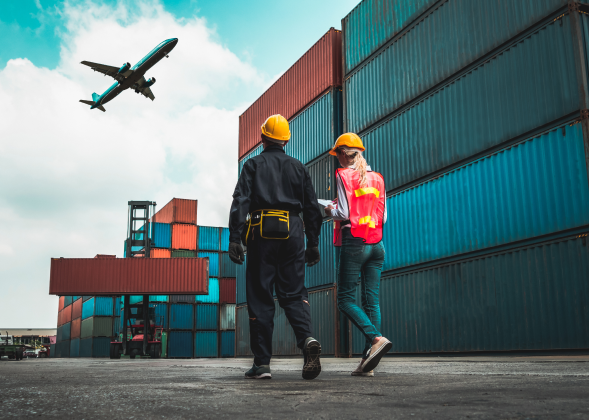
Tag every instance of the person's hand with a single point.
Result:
(236, 253)
(328, 210)
(312, 256)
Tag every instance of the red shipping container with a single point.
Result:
(184, 237)
(77, 309)
(61, 303)
(67, 314)
(178, 210)
(59, 318)
(319, 69)
(227, 290)
(75, 328)
(160, 253)
(129, 276)
(104, 256)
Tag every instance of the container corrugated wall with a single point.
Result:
(213, 262)
(182, 298)
(161, 235)
(228, 342)
(374, 22)
(75, 347)
(206, 344)
(77, 309)
(67, 314)
(67, 301)
(178, 210)
(179, 253)
(66, 331)
(321, 172)
(531, 83)
(323, 318)
(227, 290)
(227, 317)
(181, 316)
(160, 253)
(97, 326)
(184, 237)
(242, 332)
(206, 317)
(283, 337)
(75, 328)
(535, 188)
(455, 34)
(97, 306)
(95, 347)
(208, 238)
(315, 130)
(224, 240)
(161, 314)
(62, 300)
(213, 295)
(324, 272)
(180, 344)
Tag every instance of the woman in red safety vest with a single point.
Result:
(359, 214)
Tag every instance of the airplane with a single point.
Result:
(129, 77)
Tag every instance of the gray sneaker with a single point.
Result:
(311, 358)
(359, 370)
(258, 372)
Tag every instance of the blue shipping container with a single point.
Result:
(208, 238)
(206, 317)
(161, 314)
(241, 281)
(95, 347)
(161, 235)
(531, 189)
(206, 344)
(250, 155)
(181, 316)
(59, 334)
(134, 299)
(66, 331)
(97, 306)
(75, 298)
(323, 273)
(213, 295)
(530, 83)
(213, 262)
(63, 349)
(228, 343)
(180, 344)
(67, 301)
(227, 268)
(224, 240)
(75, 347)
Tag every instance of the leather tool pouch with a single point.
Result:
(273, 224)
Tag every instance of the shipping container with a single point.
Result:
(183, 298)
(324, 272)
(250, 155)
(75, 328)
(242, 336)
(227, 290)
(315, 129)
(241, 282)
(208, 238)
(184, 237)
(283, 337)
(528, 298)
(135, 299)
(75, 298)
(206, 344)
(530, 83)
(322, 172)
(67, 314)
(178, 210)
(213, 262)
(374, 22)
(64, 349)
(160, 235)
(77, 309)
(206, 317)
(117, 326)
(181, 316)
(95, 347)
(98, 306)
(227, 268)
(58, 334)
(128, 276)
(66, 330)
(159, 253)
(183, 254)
(212, 296)
(228, 343)
(52, 350)
(224, 240)
(85, 298)
(67, 301)
(61, 302)
(75, 347)
(454, 35)
(97, 326)
(180, 344)
(537, 187)
(227, 317)
(161, 314)
(315, 72)
(324, 314)
(133, 248)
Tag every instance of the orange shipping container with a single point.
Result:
(179, 210)
(77, 309)
(76, 324)
(61, 303)
(59, 318)
(67, 314)
(184, 237)
(159, 253)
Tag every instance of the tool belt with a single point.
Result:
(271, 224)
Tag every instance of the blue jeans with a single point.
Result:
(367, 260)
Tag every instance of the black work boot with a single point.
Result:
(311, 358)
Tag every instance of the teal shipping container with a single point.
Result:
(227, 268)
(228, 343)
(224, 240)
(52, 350)
(535, 188)
(324, 272)
(315, 129)
(321, 172)
(208, 238)
(180, 344)
(59, 334)
(67, 301)
(97, 306)
(250, 155)
(182, 298)
(75, 298)
(63, 348)
(135, 299)
(227, 316)
(66, 331)
(213, 295)
(242, 336)
(95, 347)
(161, 235)
(213, 262)
(75, 347)
(181, 316)
(161, 314)
(206, 344)
(530, 83)
(206, 317)
(452, 36)
(528, 298)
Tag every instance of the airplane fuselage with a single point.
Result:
(139, 70)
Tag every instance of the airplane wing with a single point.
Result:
(104, 69)
(147, 92)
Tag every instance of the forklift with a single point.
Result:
(142, 332)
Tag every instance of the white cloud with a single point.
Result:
(67, 172)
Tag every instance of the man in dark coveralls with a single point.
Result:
(272, 191)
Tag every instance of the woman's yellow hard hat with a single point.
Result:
(349, 140)
(276, 127)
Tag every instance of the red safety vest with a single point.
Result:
(366, 206)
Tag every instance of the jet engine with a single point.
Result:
(150, 82)
(124, 68)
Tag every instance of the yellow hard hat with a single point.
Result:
(349, 140)
(276, 127)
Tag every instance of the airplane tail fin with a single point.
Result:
(95, 97)
(91, 103)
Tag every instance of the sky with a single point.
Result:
(67, 173)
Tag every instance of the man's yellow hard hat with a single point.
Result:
(276, 127)
(349, 140)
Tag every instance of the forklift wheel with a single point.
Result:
(156, 351)
(115, 353)
(132, 356)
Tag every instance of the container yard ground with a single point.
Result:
(409, 387)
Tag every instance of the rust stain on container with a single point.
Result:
(129, 276)
(184, 237)
(178, 210)
(160, 253)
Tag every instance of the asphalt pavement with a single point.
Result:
(503, 387)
